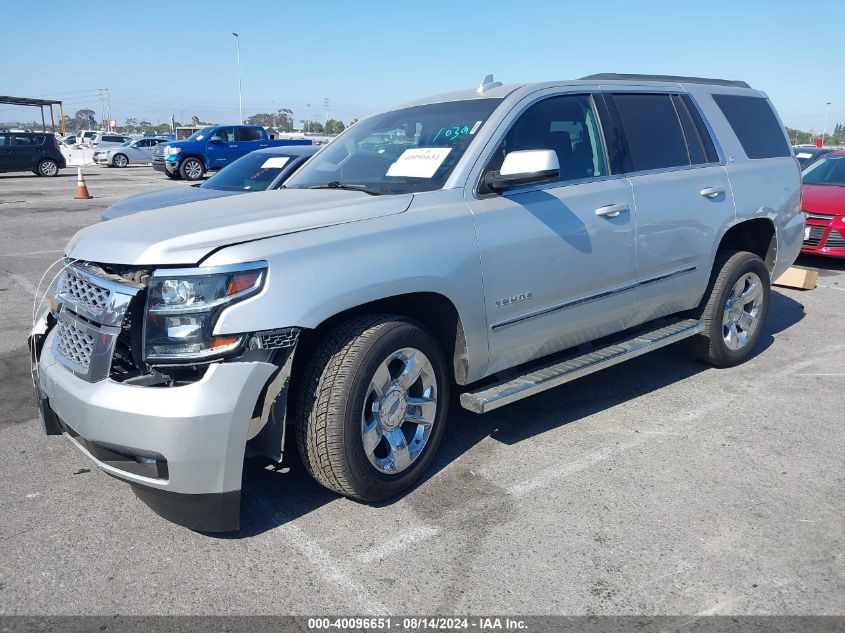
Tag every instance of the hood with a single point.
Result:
(164, 237)
(829, 199)
(163, 198)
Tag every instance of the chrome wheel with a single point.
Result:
(49, 168)
(741, 317)
(399, 410)
(193, 170)
(120, 161)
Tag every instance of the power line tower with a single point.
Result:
(325, 110)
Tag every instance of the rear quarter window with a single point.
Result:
(755, 125)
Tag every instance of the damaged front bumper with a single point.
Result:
(182, 447)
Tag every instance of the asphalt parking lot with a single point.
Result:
(659, 486)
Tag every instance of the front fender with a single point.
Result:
(316, 274)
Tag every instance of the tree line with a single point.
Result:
(281, 121)
(799, 137)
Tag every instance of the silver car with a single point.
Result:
(107, 139)
(138, 152)
(476, 241)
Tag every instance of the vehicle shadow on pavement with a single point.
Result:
(273, 497)
(823, 264)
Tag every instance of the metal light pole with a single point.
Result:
(240, 88)
(826, 113)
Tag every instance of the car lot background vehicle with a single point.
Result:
(369, 265)
(37, 152)
(823, 202)
(135, 152)
(102, 140)
(260, 170)
(213, 147)
(807, 154)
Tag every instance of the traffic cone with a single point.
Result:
(81, 188)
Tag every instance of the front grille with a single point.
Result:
(835, 240)
(816, 234)
(818, 216)
(74, 345)
(83, 292)
(92, 307)
(158, 152)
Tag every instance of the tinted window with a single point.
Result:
(114, 139)
(652, 131)
(27, 140)
(699, 143)
(755, 125)
(5, 140)
(248, 134)
(567, 125)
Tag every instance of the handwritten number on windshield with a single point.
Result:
(451, 133)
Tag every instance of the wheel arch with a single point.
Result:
(756, 235)
(433, 310)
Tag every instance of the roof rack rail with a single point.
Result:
(673, 78)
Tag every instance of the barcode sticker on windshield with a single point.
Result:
(421, 162)
(276, 162)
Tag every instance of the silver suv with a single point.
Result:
(501, 241)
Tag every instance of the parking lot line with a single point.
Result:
(397, 544)
(30, 253)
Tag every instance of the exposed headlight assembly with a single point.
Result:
(183, 307)
(173, 150)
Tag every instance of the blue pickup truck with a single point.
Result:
(213, 147)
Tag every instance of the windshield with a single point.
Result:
(829, 170)
(253, 172)
(403, 151)
(128, 143)
(200, 134)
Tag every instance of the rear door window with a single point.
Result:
(651, 130)
(248, 134)
(755, 125)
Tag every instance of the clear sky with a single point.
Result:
(163, 58)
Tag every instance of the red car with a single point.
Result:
(823, 202)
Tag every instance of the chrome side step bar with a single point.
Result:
(558, 373)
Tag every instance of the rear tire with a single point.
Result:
(191, 169)
(371, 407)
(47, 167)
(733, 309)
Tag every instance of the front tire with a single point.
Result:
(191, 169)
(120, 160)
(48, 167)
(733, 309)
(371, 408)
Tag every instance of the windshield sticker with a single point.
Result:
(276, 162)
(420, 162)
(454, 132)
(475, 128)
(803, 155)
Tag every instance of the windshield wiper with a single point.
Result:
(334, 184)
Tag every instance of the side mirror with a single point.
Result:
(215, 139)
(524, 168)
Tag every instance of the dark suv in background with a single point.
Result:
(37, 152)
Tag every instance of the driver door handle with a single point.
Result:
(612, 210)
(712, 192)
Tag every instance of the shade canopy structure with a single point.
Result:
(41, 104)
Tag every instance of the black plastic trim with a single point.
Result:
(211, 512)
